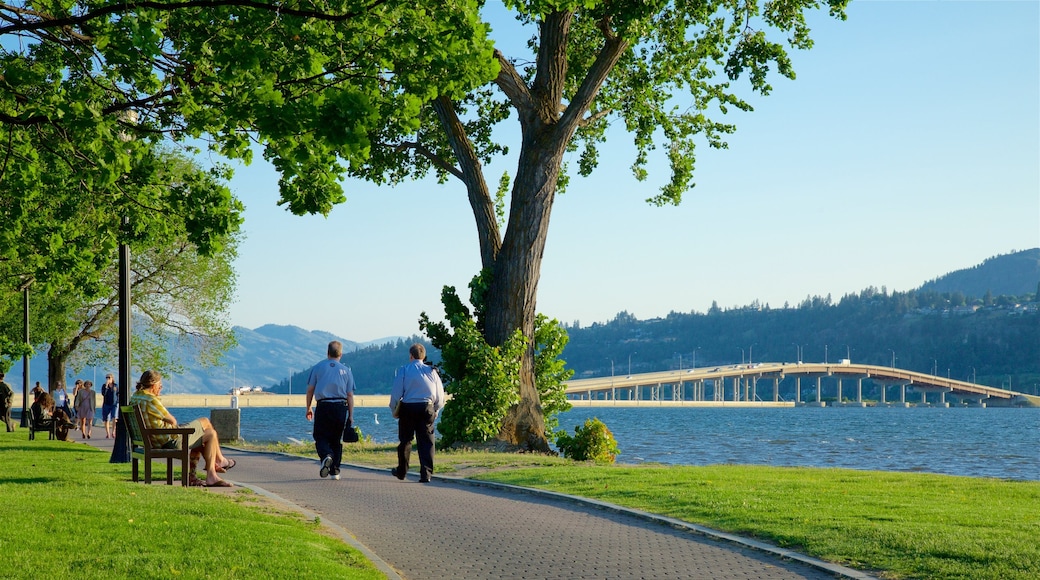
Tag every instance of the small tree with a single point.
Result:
(591, 442)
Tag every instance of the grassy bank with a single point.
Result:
(69, 513)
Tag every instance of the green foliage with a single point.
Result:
(177, 287)
(592, 441)
(483, 381)
(550, 371)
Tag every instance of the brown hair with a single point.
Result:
(417, 351)
(148, 380)
(335, 349)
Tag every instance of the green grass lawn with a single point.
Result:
(67, 512)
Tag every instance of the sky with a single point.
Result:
(908, 147)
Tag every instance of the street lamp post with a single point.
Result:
(798, 352)
(741, 354)
(25, 356)
(825, 354)
(893, 358)
(630, 362)
(121, 445)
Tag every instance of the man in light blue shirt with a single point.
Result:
(332, 385)
(419, 389)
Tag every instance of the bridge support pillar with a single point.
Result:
(902, 394)
(798, 390)
(819, 389)
(884, 387)
(776, 389)
(839, 400)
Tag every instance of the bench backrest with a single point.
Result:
(134, 420)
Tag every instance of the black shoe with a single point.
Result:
(326, 466)
(398, 473)
(425, 480)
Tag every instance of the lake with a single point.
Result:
(971, 441)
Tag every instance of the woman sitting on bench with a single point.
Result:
(46, 415)
(203, 442)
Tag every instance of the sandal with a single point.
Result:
(223, 468)
(195, 481)
(220, 483)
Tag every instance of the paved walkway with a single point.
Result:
(454, 528)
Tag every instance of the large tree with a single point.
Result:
(662, 69)
(177, 291)
(392, 91)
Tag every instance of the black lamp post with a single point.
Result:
(25, 357)
(121, 445)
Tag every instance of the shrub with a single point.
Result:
(591, 442)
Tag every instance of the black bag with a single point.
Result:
(351, 433)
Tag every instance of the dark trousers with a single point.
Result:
(416, 421)
(329, 420)
(5, 416)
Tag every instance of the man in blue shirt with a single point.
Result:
(419, 389)
(331, 384)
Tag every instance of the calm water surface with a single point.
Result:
(976, 442)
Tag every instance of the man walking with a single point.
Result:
(419, 389)
(6, 400)
(331, 384)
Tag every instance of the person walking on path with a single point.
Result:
(86, 405)
(418, 388)
(61, 400)
(331, 384)
(6, 400)
(109, 405)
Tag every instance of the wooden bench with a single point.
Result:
(39, 425)
(143, 450)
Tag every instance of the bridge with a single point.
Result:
(738, 384)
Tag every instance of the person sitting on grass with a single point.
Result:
(204, 441)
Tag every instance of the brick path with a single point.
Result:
(456, 529)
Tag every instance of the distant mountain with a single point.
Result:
(1014, 274)
(266, 356)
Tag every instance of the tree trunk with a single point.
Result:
(56, 358)
(511, 300)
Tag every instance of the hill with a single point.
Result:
(1011, 274)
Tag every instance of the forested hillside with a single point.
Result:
(998, 344)
(1013, 274)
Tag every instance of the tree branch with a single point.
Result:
(613, 48)
(480, 199)
(46, 21)
(434, 158)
